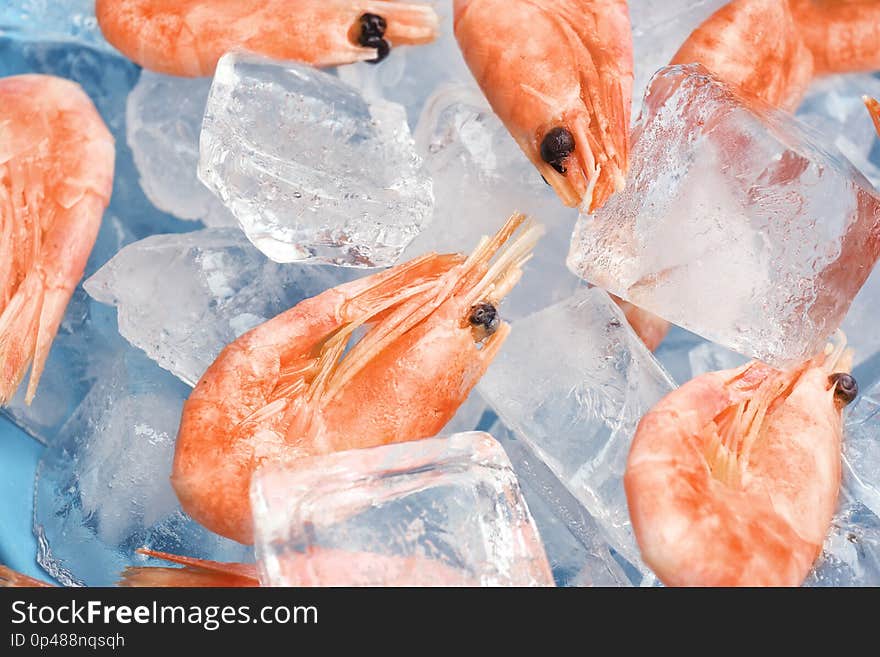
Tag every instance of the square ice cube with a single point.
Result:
(736, 223)
(436, 512)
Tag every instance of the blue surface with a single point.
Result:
(18, 464)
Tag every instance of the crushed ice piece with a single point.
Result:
(572, 382)
(659, 29)
(183, 297)
(312, 171)
(53, 20)
(834, 107)
(481, 177)
(163, 122)
(577, 551)
(411, 74)
(441, 511)
(851, 553)
(736, 223)
(103, 487)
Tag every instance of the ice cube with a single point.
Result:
(577, 551)
(481, 177)
(834, 107)
(411, 74)
(862, 448)
(572, 382)
(311, 170)
(736, 223)
(659, 28)
(163, 121)
(59, 20)
(851, 553)
(183, 297)
(103, 488)
(442, 511)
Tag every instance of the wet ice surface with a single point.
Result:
(74, 359)
(310, 169)
(411, 74)
(481, 177)
(60, 20)
(572, 382)
(164, 119)
(183, 297)
(444, 511)
(771, 228)
(103, 487)
(851, 553)
(659, 28)
(686, 356)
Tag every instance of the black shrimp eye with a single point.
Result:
(557, 145)
(372, 25)
(846, 387)
(485, 316)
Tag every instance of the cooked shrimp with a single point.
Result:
(874, 109)
(650, 328)
(559, 74)
(284, 390)
(11, 579)
(188, 37)
(317, 567)
(733, 478)
(56, 175)
(772, 49)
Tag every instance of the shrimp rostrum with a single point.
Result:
(289, 388)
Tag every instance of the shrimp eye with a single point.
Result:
(485, 319)
(372, 30)
(557, 145)
(846, 387)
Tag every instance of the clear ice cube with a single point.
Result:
(61, 20)
(851, 553)
(572, 382)
(441, 512)
(163, 122)
(312, 171)
(736, 223)
(481, 177)
(103, 487)
(183, 297)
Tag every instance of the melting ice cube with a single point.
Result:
(442, 511)
(103, 487)
(310, 169)
(736, 223)
(572, 382)
(163, 121)
(183, 297)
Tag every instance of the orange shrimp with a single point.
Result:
(188, 37)
(650, 328)
(773, 49)
(11, 579)
(559, 74)
(874, 109)
(732, 479)
(284, 390)
(56, 176)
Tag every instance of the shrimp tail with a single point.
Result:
(11, 579)
(874, 110)
(194, 573)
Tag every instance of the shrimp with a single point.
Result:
(11, 579)
(650, 328)
(773, 49)
(733, 478)
(188, 37)
(874, 110)
(284, 390)
(56, 176)
(563, 89)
